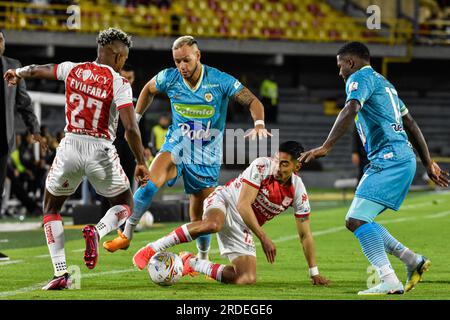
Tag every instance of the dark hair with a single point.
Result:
(355, 48)
(292, 148)
(111, 34)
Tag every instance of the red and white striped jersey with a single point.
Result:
(94, 95)
(273, 198)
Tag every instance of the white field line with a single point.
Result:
(10, 262)
(40, 285)
(278, 240)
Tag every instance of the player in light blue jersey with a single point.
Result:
(199, 97)
(381, 119)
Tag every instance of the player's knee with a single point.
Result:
(210, 226)
(246, 279)
(353, 224)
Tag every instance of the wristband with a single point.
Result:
(314, 271)
(259, 122)
(138, 117)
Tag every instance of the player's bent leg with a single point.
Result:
(242, 270)
(195, 213)
(186, 233)
(415, 263)
(359, 220)
(54, 234)
(113, 218)
(162, 170)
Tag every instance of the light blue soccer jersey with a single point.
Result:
(379, 122)
(198, 114)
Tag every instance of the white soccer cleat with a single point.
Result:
(382, 289)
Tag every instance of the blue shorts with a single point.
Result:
(196, 177)
(365, 210)
(385, 183)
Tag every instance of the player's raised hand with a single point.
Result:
(318, 280)
(259, 132)
(269, 249)
(439, 176)
(141, 174)
(312, 154)
(11, 77)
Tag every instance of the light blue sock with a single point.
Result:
(396, 248)
(203, 245)
(373, 248)
(142, 199)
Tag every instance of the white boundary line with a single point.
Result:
(278, 240)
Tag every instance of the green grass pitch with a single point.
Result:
(422, 224)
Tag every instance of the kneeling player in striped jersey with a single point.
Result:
(236, 211)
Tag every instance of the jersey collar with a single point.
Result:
(200, 80)
(365, 67)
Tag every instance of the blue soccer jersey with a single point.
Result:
(198, 114)
(379, 122)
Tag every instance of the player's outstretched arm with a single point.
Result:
(307, 241)
(247, 99)
(133, 137)
(244, 206)
(439, 176)
(13, 76)
(344, 120)
(146, 98)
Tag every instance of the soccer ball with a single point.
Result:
(165, 268)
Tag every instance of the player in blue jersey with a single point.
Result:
(384, 125)
(199, 97)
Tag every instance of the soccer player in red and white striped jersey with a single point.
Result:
(96, 96)
(236, 211)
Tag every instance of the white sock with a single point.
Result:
(213, 270)
(129, 229)
(177, 236)
(408, 257)
(387, 274)
(113, 218)
(54, 233)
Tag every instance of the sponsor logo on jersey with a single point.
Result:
(265, 192)
(86, 74)
(195, 130)
(236, 84)
(208, 97)
(194, 111)
(353, 86)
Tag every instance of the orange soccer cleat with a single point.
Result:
(142, 257)
(187, 269)
(121, 242)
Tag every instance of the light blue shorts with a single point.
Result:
(365, 210)
(387, 182)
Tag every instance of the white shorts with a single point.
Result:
(235, 239)
(82, 155)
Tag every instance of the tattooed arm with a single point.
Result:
(246, 98)
(47, 71)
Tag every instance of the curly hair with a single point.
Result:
(111, 34)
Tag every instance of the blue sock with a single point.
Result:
(142, 199)
(372, 245)
(396, 248)
(203, 244)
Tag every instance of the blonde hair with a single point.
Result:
(184, 40)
